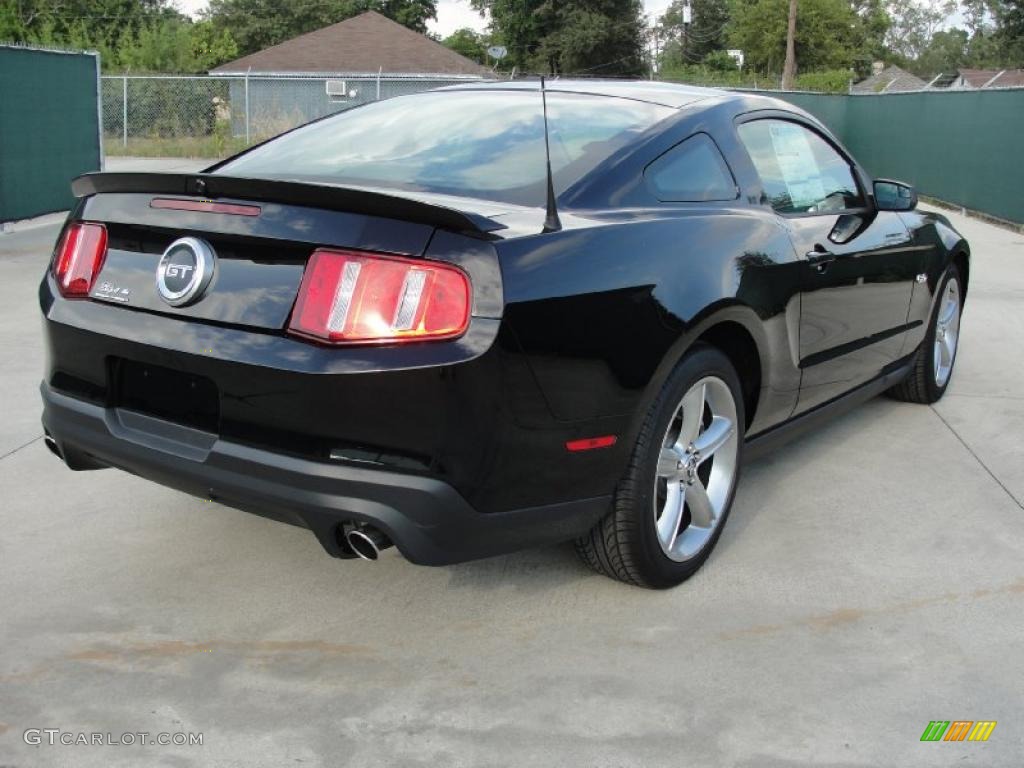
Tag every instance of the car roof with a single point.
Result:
(666, 94)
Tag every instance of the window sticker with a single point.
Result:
(797, 164)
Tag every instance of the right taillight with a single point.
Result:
(79, 258)
(352, 297)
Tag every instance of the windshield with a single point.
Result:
(486, 144)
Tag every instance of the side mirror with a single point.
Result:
(894, 196)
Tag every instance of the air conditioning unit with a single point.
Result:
(338, 90)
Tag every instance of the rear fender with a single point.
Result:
(743, 316)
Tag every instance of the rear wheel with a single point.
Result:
(934, 359)
(673, 501)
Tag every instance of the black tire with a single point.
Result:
(920, 385)
(624, 545)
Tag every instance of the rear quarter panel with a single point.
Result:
(604, 310)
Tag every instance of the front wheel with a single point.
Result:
(673, 501)
(934, 359)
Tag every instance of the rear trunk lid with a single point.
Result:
(260, 232)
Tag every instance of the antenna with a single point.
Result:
(551, 221)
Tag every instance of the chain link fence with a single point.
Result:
(211, 117)
(215, 116)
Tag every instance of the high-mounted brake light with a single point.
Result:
(349, 297)
(79, 259)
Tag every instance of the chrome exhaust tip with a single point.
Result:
(52, 445)
(367, 542)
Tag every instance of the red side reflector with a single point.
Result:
(79, 259)
(204, 206)
(590, 443)
(349, 297)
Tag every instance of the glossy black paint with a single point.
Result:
(573, 331)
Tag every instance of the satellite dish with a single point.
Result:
(497, 52)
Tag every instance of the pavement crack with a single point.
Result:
(26, 445)
(977, 458)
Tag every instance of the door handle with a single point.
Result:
(819, 258)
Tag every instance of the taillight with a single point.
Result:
(79, 258)
(352, 297)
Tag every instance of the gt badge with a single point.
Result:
(185, 271)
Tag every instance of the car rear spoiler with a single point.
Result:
(313, 195)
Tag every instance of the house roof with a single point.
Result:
(367, 43)
(889, 80)
(991, 78)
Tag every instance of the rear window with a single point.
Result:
(487, 144)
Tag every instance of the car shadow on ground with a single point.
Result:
(174, 539)
(533, 569)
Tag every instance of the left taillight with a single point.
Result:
(79, 258)
(350, 297)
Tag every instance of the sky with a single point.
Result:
(451, 14)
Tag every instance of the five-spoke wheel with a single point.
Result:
(947, 331)
(932, 364)
(696, 468)
(672, 503)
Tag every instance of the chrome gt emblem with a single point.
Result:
(185, 271)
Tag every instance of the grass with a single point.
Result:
(182, 146)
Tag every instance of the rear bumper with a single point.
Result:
(429, 521)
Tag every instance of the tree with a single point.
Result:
(827, 33)
(12, 26)
(705, 34)
(607, 40)
(720, 61)
(914, 22)
(79, 23)
(947, 51)
(410, 13)
(258, 24)
(979, 24)
(161, 46)
(469, 43)
(789, 69)
(593, 37)
(873, 26)
(211, 47)
(1010, 32)
(517, 25)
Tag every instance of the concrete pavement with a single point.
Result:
(871, 579)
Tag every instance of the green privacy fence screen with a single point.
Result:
(49, 128)
(964, 147)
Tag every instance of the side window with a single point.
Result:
(800, 171)
(692, 172)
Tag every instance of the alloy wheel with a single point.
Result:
(947, 332)
(696, 469)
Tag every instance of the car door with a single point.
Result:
(860, 262)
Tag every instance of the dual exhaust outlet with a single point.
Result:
(366, 541)
(51, 444)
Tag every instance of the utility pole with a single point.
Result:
(656, 52)
(687, 18)
(789, 71)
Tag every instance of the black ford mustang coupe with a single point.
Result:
(488, 317)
